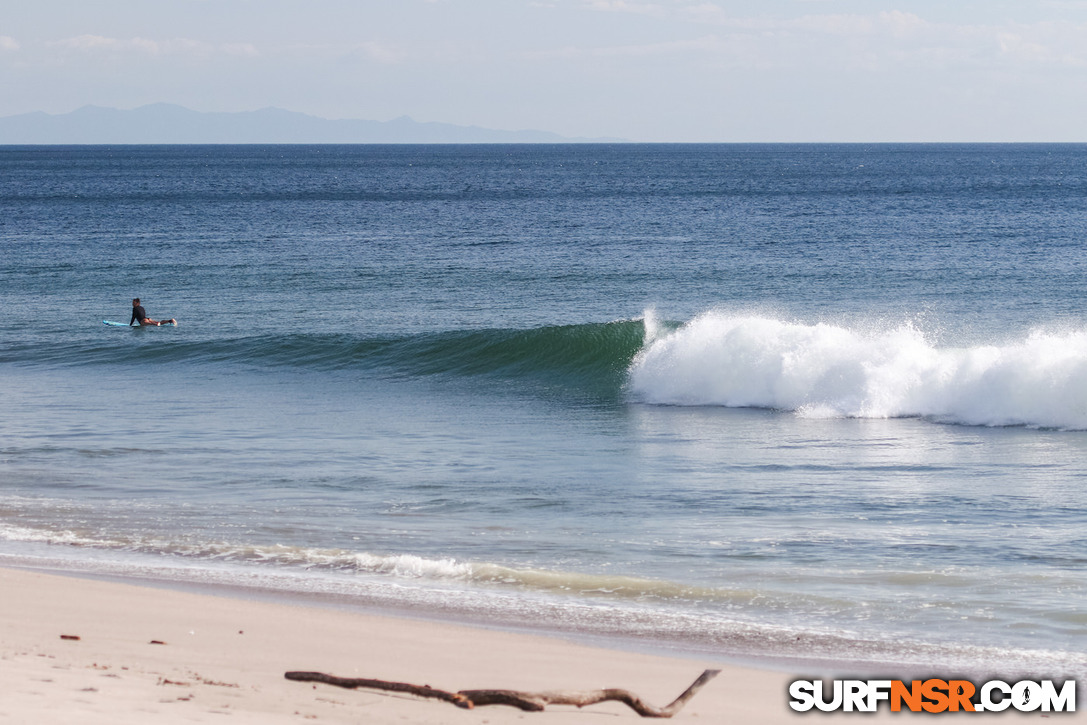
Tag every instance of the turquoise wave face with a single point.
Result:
(591, 358)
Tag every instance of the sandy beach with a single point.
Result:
(146, 654)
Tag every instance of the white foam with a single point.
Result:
(652, 326)
(413, 567)
(824, 370)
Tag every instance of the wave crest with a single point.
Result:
(825, 370)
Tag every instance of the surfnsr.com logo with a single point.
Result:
(933, 695)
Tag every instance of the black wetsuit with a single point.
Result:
(138, 313)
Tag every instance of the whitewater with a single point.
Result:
(826, 370)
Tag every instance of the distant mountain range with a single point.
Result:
(164, 123)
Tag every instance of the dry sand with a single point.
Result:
(222, 660)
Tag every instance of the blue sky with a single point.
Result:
(666, 70)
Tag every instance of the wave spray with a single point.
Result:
(826, 370)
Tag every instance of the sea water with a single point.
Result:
(818, 402)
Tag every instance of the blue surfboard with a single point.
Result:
(111, 323)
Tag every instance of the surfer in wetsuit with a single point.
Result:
(140, 314)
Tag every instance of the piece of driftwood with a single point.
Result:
(529, 701)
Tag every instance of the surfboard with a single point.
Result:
(111, 323)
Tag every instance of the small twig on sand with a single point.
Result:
(529, 701)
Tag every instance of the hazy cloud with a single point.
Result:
(382, 52)
(376, 51)
(876, 41)
(621, 6)
(246, 50)
(8, 43)
(149, 47)
(86, 42)
(647, 49)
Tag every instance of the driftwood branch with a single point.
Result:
(353, 682)
(529, 701)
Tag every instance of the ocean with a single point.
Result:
(810, 403)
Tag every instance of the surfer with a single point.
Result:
(139, 313)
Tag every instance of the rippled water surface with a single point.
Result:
(819, 401)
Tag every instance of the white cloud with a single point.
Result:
(155, 48)
(647, 49)
(8, 43)
(377, 51)
(842, 25)
(245, 50)
(901, 22)
(621, 6)
(1016, 47)
(874, 41)
(145, 45)
(383, 52)
(87, 42)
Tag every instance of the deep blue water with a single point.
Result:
(812, 400)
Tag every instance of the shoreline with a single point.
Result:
(339, 602)
(224, 656)
(764, 647)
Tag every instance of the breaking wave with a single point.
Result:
(826, 370)
(719, 358)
